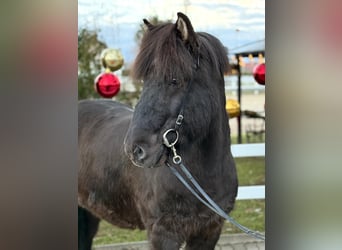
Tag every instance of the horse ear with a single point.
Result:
(187, 33)
(148, 24)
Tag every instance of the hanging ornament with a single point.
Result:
(233, 108)
(112, 59)
(259, 72)
(107, 84)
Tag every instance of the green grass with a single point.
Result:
(250, 213)
(254, 139)
(251, 170)
(109, 234)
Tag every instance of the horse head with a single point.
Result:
(180, 70)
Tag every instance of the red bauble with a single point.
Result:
(259, 73)
(107, 85)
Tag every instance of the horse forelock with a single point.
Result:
(163, 56)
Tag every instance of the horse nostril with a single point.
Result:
(139, 153)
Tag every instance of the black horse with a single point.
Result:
(123, 177)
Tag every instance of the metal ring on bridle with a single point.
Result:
(166, 141)
(177, 159)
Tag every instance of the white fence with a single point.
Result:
(249, 150)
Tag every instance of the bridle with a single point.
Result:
(195, 189)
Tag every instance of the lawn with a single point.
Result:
(250, 213)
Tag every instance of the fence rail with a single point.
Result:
(249, 150)
(245, 87)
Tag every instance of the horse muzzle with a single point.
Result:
(145, 154)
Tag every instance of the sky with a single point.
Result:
(234, 22)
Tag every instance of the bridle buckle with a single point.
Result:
(179, 120)
(166, 141)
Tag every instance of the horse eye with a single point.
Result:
(174, 81)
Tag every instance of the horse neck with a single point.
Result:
(209, 153)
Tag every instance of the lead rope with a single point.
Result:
(206, 200)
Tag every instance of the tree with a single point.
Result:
(89, 65)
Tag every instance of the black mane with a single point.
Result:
(161, 47)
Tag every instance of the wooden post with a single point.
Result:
(239, 96)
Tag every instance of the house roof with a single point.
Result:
(254, 48)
